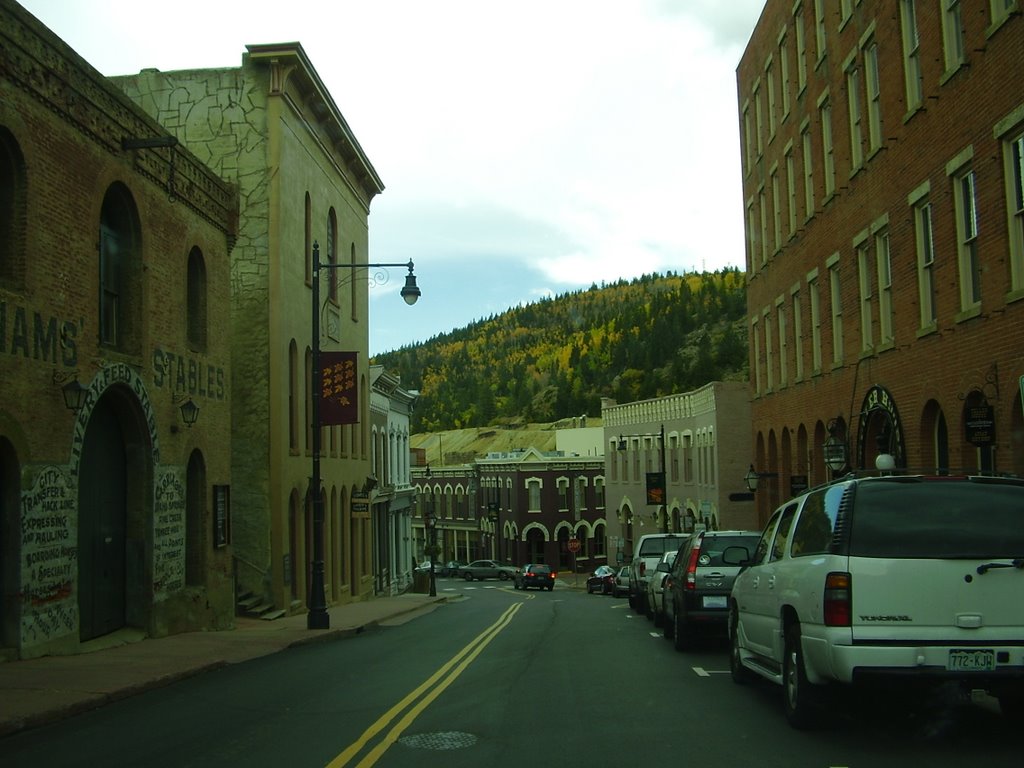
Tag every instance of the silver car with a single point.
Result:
(487, 569)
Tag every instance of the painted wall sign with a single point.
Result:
(32, 334)
(168, 534)
(49, 558)
(188, 375)
(980, 425)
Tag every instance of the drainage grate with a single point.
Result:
(439, 741)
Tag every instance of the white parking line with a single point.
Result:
(701, 672)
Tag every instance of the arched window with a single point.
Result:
(332, 256)
(119, 285)
(12, 212)
(196, 300)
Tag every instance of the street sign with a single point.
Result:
(574, 545)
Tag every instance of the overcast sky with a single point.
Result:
(527, 148)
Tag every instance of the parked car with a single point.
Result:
(698, 585)
(451, 568)
(649, 550)
(655, 589)
(621, 585)
(535, 575)
(901, 580)
(601, 580)
(487, 569)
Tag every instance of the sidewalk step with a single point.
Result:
(272, 615)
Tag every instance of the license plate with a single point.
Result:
(714, 601)
(971, 660)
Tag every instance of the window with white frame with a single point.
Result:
(533, 494)
(828, 150)
(759, 117)
(1001, 10)
(748, 138)
(808, 158)
(763, 205)
(563, 494)
(819, 28)
(798, 334)
(790, 189)
(924, 242)
(965, 203)
(751, 235)
(854, 111)
(866, 284)
(782, 320)
(776, 210)
(835, 293)
(755, 334)
(769, 351)
(769, 78)
(883, 263)
(952, 35)
(911, 55)
(801, 46)
(784, 72)
(814, 294)
(874, 95)
(1013, 152)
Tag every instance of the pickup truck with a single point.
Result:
(649, 551)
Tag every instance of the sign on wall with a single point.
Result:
(339, 400)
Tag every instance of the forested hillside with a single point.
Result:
(555, 358)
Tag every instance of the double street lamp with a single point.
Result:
(317, 617)
(656, 491)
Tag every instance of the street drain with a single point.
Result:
(439, 741)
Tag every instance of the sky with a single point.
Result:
(527, 149)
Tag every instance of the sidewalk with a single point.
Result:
(40, 691)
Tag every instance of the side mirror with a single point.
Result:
(664, 567)
(736, 555)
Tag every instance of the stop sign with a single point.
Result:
(574, 545)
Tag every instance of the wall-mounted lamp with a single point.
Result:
(74, 395)
(753, 478)
(189, 412)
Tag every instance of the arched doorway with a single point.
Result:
(102, 523)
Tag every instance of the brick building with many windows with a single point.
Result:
(883, 180)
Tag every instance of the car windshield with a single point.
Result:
(540, 569)
(940, 518)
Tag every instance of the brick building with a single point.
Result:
(705, 457)
(272, 127)
(883, 178)
(114, 289)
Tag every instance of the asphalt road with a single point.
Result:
(501, 678)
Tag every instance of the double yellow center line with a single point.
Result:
(413, 704)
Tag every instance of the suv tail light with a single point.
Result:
(554, 575)
(643, 568)
(838, 599)
(691, 569)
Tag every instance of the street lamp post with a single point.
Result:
(317, 617)
(664, 482)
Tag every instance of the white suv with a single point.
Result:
(899, 579)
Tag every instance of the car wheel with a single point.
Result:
(740, 674)
(801, 698)
(668, 626)
(589, 590)
(682, 635)
(469, 576)
(503, 576)
(551, 588)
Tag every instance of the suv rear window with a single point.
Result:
(712, 547)
(939, 518)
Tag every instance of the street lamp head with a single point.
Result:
(752, 478)
(410, 291)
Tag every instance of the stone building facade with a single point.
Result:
(883, 177)
(699, 440)
(114, 327)
(272, 127)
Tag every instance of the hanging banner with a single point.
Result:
(655, 488)
(339, 400)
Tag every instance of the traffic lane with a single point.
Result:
(861, 728)
(300, 707)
